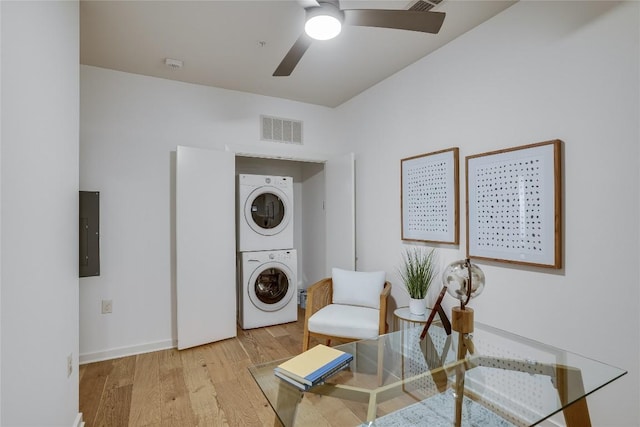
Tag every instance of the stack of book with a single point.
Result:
(313, 366)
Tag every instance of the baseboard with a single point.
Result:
(78, 422)
(114, 353)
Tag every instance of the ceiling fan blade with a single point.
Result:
(294, 55)
(426, 22)
(308, 3)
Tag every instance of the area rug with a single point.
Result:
(438, 411)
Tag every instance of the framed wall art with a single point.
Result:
(514, 205)
(429, 199)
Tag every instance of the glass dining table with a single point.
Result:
(486, 378)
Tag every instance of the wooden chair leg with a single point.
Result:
(305, 341)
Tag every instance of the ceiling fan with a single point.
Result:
(324, 20)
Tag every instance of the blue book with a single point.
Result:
(315, 365)
(299, 385)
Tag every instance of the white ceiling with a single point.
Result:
(238, 44)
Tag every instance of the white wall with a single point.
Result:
(130, 125)
(313, 245)
(39, 224)
(538, 71)
(1, 102)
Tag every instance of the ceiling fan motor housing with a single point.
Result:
(324, 22)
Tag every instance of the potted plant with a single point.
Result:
(417, 272)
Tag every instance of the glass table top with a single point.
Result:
(490, 377)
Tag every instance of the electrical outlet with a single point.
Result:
(69, 365)
(107, 306)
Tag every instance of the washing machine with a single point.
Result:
(267, 288)
(265, 212)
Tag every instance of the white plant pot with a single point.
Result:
(418, 306)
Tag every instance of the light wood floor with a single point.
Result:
(208, 385)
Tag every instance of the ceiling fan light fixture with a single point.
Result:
(324, 22)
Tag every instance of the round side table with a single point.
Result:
(402, 315)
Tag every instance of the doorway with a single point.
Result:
(308, 210)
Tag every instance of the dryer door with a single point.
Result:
(271, 286)
(267, 210)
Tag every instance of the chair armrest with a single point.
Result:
(383, 327)
(318, 295)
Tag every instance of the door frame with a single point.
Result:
(277, 153)
(334, 254)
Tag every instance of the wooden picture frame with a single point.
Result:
(514, 205)
(429, 197)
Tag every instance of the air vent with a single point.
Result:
(176, 64)
(278, 129)
(423, 6)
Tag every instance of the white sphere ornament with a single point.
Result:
(456, 278)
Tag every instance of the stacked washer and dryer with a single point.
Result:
(267, 262)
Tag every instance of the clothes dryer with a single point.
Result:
(265, 212)
(267, 288)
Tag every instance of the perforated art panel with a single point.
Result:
(513, 199)
(430, 197)
(510, 206)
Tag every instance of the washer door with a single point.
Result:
(267, 210)
(271, 286)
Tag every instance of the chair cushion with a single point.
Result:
(357, 287)
(347, 321)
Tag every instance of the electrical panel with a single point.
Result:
(89, 233)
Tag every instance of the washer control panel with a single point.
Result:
(281, 255)
(260, 180)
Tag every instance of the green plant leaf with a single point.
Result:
(418, 271)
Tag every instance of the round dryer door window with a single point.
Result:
(270, 287)
(267, 211)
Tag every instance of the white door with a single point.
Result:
(205, 246)
(340, 211)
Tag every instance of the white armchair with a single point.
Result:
(349, 305)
